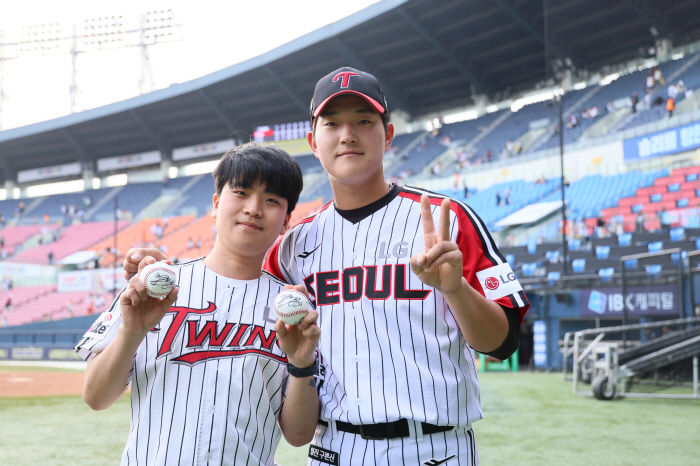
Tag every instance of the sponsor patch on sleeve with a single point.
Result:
(498, 281)
(101, 327)
(323, 455)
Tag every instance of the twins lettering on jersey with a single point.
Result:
(351, 284)
(234, 340)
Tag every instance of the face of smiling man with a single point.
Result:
(349, 139)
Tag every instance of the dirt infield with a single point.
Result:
(14, 384)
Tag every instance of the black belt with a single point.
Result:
(385, 430)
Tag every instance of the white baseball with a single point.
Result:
(158, 279)
(291, 306)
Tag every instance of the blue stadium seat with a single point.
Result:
(553, 277)
(653, 270)
(532, 248)
(677, 234)
(677, 256)
(674, 187)
(637, 208)
(606, 274)
(578, 265)
(631, 264)
(552, 256)
(655, 246)
(528, 269)
(624, 240)
(574, 244)
(510, 258)
(602, 252)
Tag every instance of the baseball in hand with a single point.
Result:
(158, 279)
(291, 306)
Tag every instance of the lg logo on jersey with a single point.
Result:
(357, 282)
(399, 250)
(492, 282)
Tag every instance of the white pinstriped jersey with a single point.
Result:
(207, 382)
(391, 346)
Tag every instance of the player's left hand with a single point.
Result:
(299, 341)
(440, 266)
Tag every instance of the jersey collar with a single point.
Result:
(357, 215)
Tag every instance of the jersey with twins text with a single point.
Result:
(207, 382)
(391, 346)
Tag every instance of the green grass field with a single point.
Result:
(532, 419)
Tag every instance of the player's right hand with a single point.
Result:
(140, 312)
(134, 256)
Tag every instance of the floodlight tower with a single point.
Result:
(100, 33)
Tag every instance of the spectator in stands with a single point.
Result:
(647, 100)
(50, 257)
(583, 230)
(199, 243)
(437, 168)
(69, 308)
(506, 196)
(670, 106)
(466, 189)
(509, 147)
(518, 146)
(190, 243)
(488, 155)
(20, 209)
(498, 198)
(664, 218)
(600, 226)
(4, 254)
(2, 241)
(635, 101)
(658, 76)
(672, 91)
(639, 224)
(610, 107)
(649, 82)
(572, 122)
(8, 302)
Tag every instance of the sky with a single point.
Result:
(215, 35)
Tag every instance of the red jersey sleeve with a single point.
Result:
(484, 267)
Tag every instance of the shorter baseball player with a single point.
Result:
(209, 367)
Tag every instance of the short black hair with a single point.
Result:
(252, 163)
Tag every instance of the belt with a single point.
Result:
(385, 430)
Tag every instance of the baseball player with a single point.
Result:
(209, 365)
(400, 303)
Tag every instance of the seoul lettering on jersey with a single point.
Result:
(391, 344)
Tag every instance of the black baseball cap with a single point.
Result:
(348, 80)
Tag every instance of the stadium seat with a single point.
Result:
(677, 256)
(574, 244)
(631, 264)
(528, 269)
(677, 234)
(606, 274)
(602, 252)
(552, 256)
(532, 248)
(624, 240)
(578, 265)
(655, 246)
(553, 278)
(653, 270)
(510, 258)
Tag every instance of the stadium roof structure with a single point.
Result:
(429, 56)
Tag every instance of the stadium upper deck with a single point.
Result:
(464, 48)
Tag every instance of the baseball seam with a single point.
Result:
(291, 313)
(144, 280)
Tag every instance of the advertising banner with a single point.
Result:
(202, 150)
(640, 300)
(97, 280)
(127, 161)
(37, 353)
(671, 141)
(45, 173)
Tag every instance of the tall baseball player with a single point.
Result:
(209, 383)
(400, 304)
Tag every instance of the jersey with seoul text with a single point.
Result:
(391, 344)
(207, 381)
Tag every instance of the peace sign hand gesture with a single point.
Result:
(440, 266)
